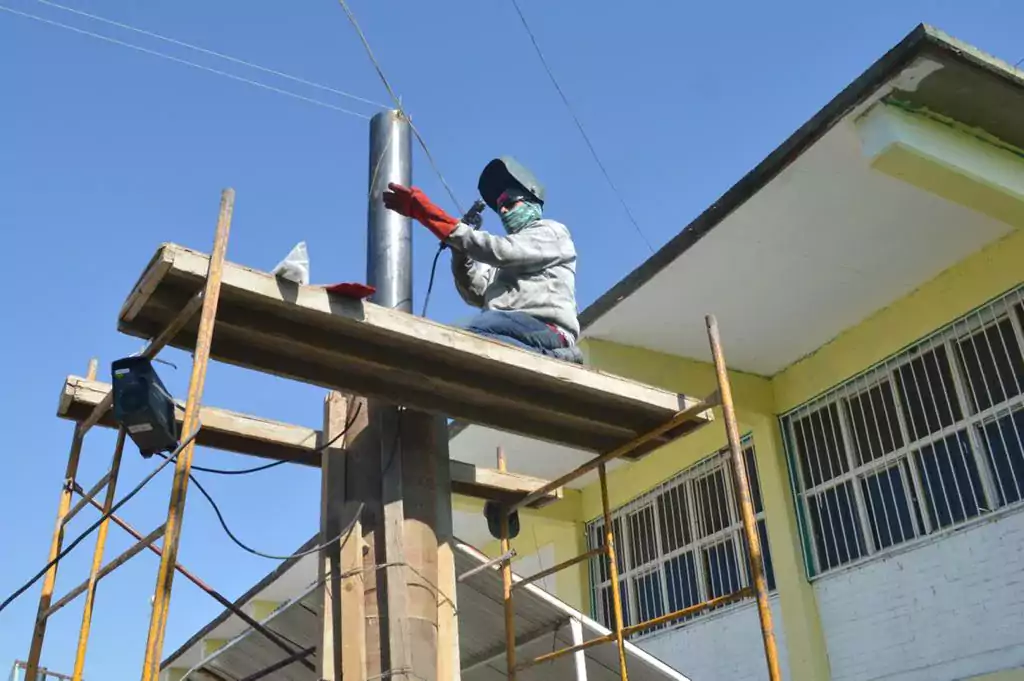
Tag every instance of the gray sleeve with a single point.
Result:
(471, 278)
(530, 250)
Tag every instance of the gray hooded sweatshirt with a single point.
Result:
(532, 270)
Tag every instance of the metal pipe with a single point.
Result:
(678, 614)
(508, 555)
(206, 588)
(281, 664)
(57, 540)
(561, 652)
(88, 496)
(579, 657)
(389, 238)
(176, 506)
(97, 555)
(120, 560)
(677, 420)
(613, 572)
(506, 585)
(556, 568)
(746, 503)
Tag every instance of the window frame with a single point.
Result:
(691, 541)
(971, 327)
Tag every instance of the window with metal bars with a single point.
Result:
(927, 440)
(679, 544)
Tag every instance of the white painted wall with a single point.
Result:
(726, 646)
(947, 609)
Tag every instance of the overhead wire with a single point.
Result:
(416, 133)
(186, 62)
(213, 53)
(398, 103)
(579, 125)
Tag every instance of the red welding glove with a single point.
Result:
(413, 203)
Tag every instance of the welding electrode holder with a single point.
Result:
(473, 217)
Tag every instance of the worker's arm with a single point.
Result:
(471, 278)
(540, 246)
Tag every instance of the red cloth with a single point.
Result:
(413, 203)
(352, 290)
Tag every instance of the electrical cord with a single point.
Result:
(274, 464)
(92, 528)
(430, 284)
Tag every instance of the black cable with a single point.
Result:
(92, 528)
(268, 466)
(430, 284)
(239, 542)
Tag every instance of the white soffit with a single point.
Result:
(824, 245)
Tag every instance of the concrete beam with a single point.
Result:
(940, 156)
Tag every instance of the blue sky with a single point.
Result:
(107, 152)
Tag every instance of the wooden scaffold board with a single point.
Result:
(309, 334)
(245, 434)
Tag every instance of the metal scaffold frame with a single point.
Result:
(720, 398)
(206, 302)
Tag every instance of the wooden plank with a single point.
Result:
(332, 521)
(308, 334)
(244, 434)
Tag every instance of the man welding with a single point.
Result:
(524, 281)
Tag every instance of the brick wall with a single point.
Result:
(721, 647)
(944, 610)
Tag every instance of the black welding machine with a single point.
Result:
(143, 407)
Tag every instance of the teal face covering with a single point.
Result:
(520, 216)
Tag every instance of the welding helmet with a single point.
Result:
(506, 173)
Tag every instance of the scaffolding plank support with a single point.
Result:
(309, 334)
(277, 441)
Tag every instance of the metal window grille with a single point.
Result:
(927, 440)
(679, 544)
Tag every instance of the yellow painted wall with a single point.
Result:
(753, 397)
(953, 293)
(1005, 675)
(560, 526)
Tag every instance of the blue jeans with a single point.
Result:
(519, 329)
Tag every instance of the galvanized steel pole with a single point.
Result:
(389, 239)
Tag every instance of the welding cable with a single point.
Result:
(274, 464)
(243, 545)
(249, 549)
(113, 509)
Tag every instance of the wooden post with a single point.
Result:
(183, 466)
(417, 537)
(745, 501)
(56, 542)
(332, 520)
(97, 558)
(506, 583)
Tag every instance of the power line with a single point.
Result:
(1019, 62)
(398, 103)
(220, 55)
(145, 50)
(579, 125)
